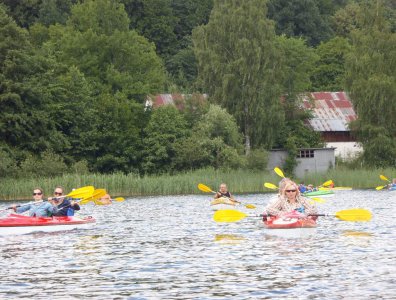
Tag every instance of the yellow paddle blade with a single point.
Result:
(83, 192)
(270, 186)
(384, 178)
(85, 201)
(380, 187)
(205, 188)
(119, 199)
(228, 215)
(354, 215)
(97, 194)
(328, 182)
(250, 206)
(279, 172)
(319, 200)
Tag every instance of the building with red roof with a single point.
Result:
(332, 114)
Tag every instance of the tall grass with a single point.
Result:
(239, 181)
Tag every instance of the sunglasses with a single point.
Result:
(34, 194)
(290, 191)
(56, 193)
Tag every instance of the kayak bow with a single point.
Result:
(19, 224)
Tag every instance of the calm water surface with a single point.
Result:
(170, 248)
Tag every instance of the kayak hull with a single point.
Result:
(337, 188)
(223, 203)
(290, 227)
(319, 194)
(18, 224)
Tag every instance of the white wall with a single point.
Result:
(345, 150)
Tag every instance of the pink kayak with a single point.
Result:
(19, 224)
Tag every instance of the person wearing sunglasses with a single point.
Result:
(39, 208)
(289, 200)
(64, 206)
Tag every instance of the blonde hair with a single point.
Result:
(283, 183)
(291, 184)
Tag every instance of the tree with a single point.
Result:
(154, 19)
(330, 68)
(371, 82)
(166, 126)
(113, 58)
(239, 66)
(54, 11)
(26, 77)
(216, 142)
(309, 19)
(24, 12)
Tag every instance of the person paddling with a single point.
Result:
(64, 206)
(223, 192)
(105, 200)
(290, 200)
(37, 209)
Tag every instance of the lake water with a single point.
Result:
(170, 248)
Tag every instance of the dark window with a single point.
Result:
(306, 154)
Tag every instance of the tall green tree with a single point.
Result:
(239, 67)
(330, 68)
(309, 19)
(166, 126)
(371, 82)
(54, 11)
(113, 58)
(154, 19)
(25, 79)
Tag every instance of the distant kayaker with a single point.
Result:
(392, 185)
(223, 192)
(302, 188)
(289, 200)
(105, 200)
(37, 209)
(64, 206)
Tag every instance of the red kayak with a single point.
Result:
(19, 224)
(288, 223)
(291, 226)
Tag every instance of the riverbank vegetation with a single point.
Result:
(75, 77)
(239, 182)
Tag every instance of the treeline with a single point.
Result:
(74, 77)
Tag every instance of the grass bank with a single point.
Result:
(239, 181)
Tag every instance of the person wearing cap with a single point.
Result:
(64, 206)
(39, 208)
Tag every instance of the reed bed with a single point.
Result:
(239, 181)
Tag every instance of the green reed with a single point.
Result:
(238, 181)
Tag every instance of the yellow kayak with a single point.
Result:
(223, 203)
(337, 188)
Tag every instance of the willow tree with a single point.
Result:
(371, 81)
(239, 66)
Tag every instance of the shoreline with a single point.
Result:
(238, 181)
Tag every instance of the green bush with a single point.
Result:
(257, 160)
(48, 164)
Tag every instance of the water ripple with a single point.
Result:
(169, 248)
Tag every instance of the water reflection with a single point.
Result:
(356, 233)
(170, 248)
(231, 239)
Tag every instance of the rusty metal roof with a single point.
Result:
(332, 111)
(173, 99)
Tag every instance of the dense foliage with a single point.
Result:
(74, 77)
